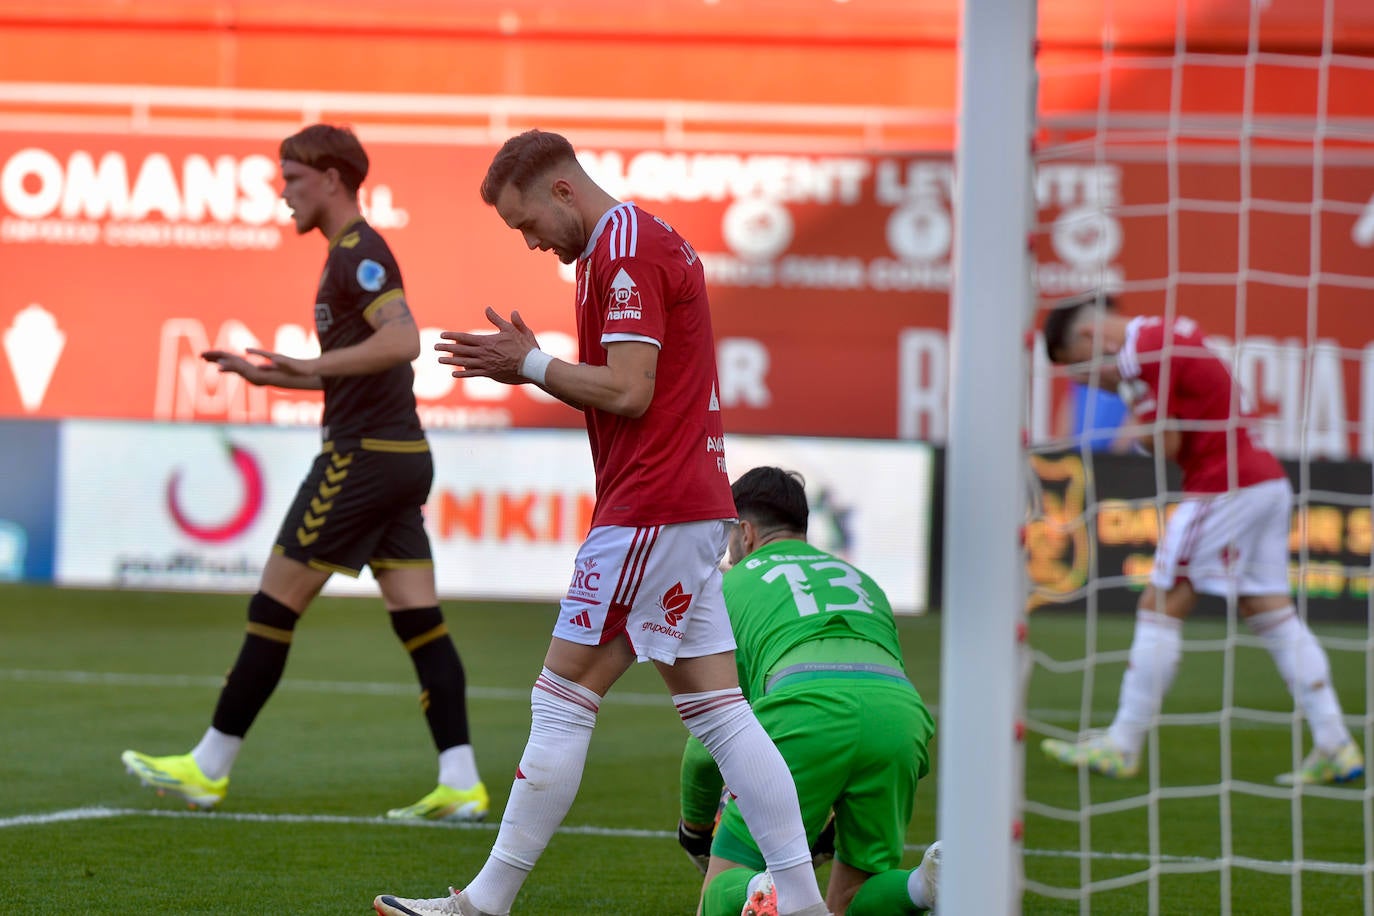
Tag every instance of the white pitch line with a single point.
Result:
(100, 812)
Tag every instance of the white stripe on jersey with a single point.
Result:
(1127, 359)
(624, 241)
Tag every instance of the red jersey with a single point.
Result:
(640, 280)
(1203, 395)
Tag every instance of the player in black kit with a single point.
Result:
(361, 502)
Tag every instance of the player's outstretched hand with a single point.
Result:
(496, 355)
(288, 365)
(233, 362)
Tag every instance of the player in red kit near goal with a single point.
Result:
(1229, 534)
(647, 584)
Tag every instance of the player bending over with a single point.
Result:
(820, 662)
(1228, 535)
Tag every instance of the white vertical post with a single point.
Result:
(979, 770)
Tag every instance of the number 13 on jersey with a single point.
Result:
(836, 583)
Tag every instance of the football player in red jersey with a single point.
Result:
(646, 381)
(1229, 534)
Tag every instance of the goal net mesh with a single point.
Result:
(1223, 172)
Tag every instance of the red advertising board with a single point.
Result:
(124, 255)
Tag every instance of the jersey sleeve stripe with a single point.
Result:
(389, 296)
(607, 339)
(1127, 359)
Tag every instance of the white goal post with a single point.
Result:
(980, 681)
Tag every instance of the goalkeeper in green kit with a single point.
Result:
(820, 662)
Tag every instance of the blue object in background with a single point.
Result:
(28, 499)
(1097, 416)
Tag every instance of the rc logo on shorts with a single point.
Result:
(371, 275)
(623, 299)
(675, 603)
(586, 583)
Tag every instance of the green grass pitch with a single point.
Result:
(86, 674)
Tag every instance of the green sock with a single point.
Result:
(884, 894)
(725, 895)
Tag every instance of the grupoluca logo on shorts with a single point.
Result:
(674, 603)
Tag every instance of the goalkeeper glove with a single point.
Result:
(696, 844)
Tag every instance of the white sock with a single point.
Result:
(1153, 660)
(762, 785)
(1303, 664)
(546, 782)
(458, 767)
(216, 753)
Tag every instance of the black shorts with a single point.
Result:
(361, 505)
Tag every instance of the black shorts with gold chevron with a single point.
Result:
(360, 505)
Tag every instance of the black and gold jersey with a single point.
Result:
(359, 277)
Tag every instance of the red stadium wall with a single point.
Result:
(830, 272)
(875, 52)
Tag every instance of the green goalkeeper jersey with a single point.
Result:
(788, 593)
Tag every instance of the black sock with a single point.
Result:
(443, 685)
(256, 671)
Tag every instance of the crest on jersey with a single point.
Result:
(623, 299)
(371, 275)
(324, 316)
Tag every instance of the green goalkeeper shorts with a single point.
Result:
(854, 745)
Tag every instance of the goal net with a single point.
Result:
(1224, 173)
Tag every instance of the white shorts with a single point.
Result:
(658, 586)
(1236, 541)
